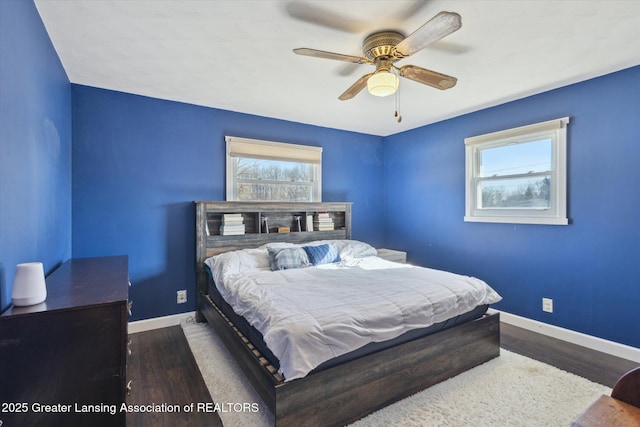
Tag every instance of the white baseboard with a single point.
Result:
(159, 322)
(578, 338)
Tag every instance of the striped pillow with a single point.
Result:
(286, 258)
(322, 254)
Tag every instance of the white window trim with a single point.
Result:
(557, 215)
(259, 149)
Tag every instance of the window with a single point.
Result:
(272, 171)
(518, 175)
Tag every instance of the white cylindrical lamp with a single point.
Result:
(29, 286)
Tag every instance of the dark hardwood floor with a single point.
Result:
(163, 370)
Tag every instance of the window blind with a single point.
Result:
(257, 149)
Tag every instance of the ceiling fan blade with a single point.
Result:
(330, 55)
(427, 77)
(410, 10)
(355, 88)
(436, 28)
(324, 17)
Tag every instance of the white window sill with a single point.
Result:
(518, 220)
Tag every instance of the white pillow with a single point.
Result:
(349, 248)
(235, 262)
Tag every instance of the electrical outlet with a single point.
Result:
(547, 305)
(182, 296)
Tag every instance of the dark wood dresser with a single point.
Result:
(64, 361)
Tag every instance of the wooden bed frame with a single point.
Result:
(347, 392)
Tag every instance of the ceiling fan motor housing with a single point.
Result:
(381, 44)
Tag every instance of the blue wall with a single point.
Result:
(139, 163)
(591, 268)
(35, 146)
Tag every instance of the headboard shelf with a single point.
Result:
(210, 216)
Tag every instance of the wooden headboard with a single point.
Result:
(209, 218)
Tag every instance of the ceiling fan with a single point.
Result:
(384, 48)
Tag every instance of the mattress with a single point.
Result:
(256, 338)
(326, 302)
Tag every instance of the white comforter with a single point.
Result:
(310, 315)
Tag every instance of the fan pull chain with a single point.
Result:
(397, 113)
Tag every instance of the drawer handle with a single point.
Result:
(129, 387)
(129, 347)
(129, 307)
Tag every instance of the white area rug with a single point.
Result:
(509, 391)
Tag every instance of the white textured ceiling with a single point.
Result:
(237, 55)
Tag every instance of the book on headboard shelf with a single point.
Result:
(323, 222)
(231, 229)
(232, 224)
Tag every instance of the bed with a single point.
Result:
(347, 384)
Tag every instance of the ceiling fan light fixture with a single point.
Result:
(383, 83)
